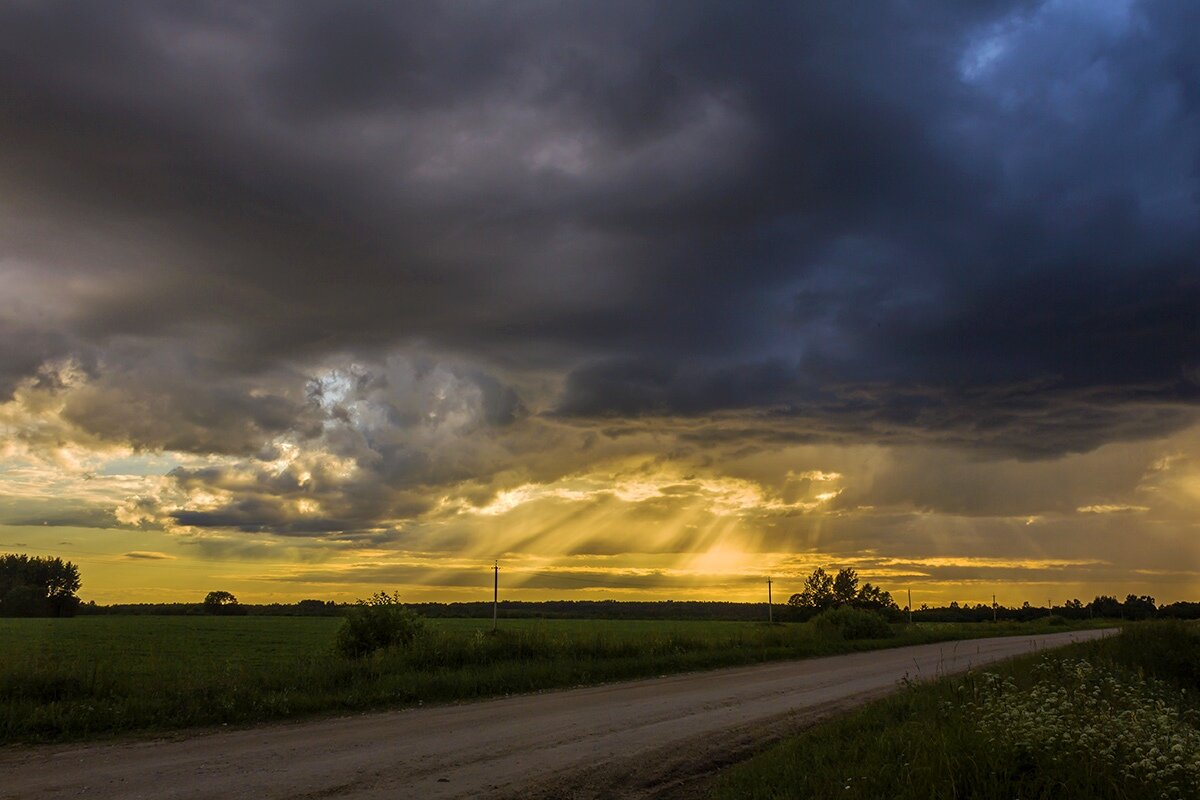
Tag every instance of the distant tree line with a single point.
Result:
(31, 586)
(1134, 607)
(652, 610)
(35, 586)
(1109, 608)
(509, 609)
(601, 609)
(222, 607)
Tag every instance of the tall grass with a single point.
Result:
(94, 676)
(1110, 719)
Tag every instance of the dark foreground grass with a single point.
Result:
(63, 679)
(1115, 719)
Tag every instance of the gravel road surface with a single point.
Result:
(660, 738)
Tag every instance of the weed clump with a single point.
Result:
(378, 623)
(1165, 649)
(1085, 716)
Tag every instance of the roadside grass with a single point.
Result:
(89, 677)
(1116, 718)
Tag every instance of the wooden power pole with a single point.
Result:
(910, 606)
(770, 611)
(495, 594)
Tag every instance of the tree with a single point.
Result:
(316, 607)
(37, 587)
(873, 598)
(1181, 609)
(223, 603)
(845, 587)
(817, 594)
(1106, 606)
(822, 592)
(1138, 607)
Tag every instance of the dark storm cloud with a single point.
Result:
(23, 351)
(972, 222)
(1033, 419)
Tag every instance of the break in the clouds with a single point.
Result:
(364, 273)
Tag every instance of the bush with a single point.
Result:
(1056, 620)
(377, 623)
(852, 623)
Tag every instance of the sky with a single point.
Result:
(641, 300)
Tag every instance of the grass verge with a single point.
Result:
(1116, 718)
(89, 677)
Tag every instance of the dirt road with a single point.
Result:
(648, 738)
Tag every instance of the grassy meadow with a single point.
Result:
(65, 679)
(1117, 718)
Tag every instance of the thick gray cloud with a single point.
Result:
(972, 224)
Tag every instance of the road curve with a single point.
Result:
(633, 739)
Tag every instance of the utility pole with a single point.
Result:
(770, 611)
(495, 593)
(910, 606)
(993, 608)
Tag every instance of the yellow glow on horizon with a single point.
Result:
(633, 524)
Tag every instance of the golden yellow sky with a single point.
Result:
(639, 515)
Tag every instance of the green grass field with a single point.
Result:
(63, 679)
(1116, 719)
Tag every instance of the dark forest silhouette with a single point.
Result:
(31, 586)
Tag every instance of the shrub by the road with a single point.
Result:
(852, 623)
(377, 623)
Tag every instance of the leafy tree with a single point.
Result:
(1138, 607)
(1106, 606)
(37, 587)
(818, 592)
(1181, 609)
(1073, 609)
(223, 603)
(823, 591)
(845, 587)
(873, 598)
